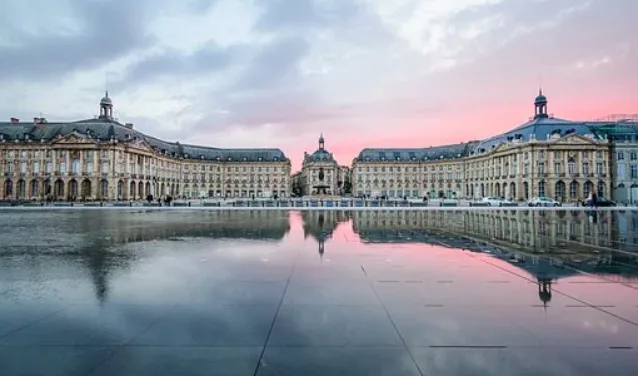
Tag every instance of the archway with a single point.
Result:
(573, 190)
(541, 189)
(8, 188)
(526, 190)
(147, 188)
(132, 190)
(560, 191)
(588, 188)
(513, 191)
(46, 186)
(34, 188)
(22, 188)
(73, 189)
(120, 189)
(58, 189)
(162, 190)
(104, 189)
(482, 190)
(86, 189)
(140, 191)
(497, 190)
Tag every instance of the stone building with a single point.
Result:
(103, 159)
(320, 173)
(545, 157)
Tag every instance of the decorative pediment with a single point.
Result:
(73, 138)
(141, 145)
(575, 139)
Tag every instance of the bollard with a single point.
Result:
(189, 204)
(130, 204)
(101, 204)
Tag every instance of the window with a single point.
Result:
(621, 171)
(633, 156)
(49, 167)
(571, 167)
(557, 167)
(585, 168)
(105, 167)
(89, 168)
(557, 154)
(36, 167)
(541, 189)
(599, 168)
(634, 171)
(541, 168)
(621, 156)
(62, 168)
(36, 154)
(541, 154)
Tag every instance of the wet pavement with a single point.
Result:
(198, 292)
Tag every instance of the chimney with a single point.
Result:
(15, 120)
(36, 120)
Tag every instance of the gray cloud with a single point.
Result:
(174, 64)
(108, 30)
(273, 65)
(304, 14)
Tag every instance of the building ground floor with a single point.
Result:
(97, 188)
(563, 190)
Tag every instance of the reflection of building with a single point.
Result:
(320, 225)
(320, 173)
(546, 156)
(567, 237)
(547, 246)
(103, 159)
(93, 238)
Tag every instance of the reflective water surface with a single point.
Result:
(195, 292)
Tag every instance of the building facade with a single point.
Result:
(320, 170)
(103, 159)
(545, 157)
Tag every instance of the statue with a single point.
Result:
(321, 175)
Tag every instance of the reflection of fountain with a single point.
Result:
(545, 290)
(320, 225)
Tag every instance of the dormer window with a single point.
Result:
(245, 159)
(218, 159)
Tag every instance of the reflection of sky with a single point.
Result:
(149, 254)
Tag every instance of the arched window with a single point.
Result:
(601, 189)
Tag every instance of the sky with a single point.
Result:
(277, 73)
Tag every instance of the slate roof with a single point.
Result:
(417, 154)
(541, 129)
(106, 129)
(321, 155)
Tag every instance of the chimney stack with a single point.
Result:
(15, 120)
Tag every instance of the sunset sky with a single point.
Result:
(276, 73)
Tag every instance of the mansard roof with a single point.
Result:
(416, 154)
(104, 129)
